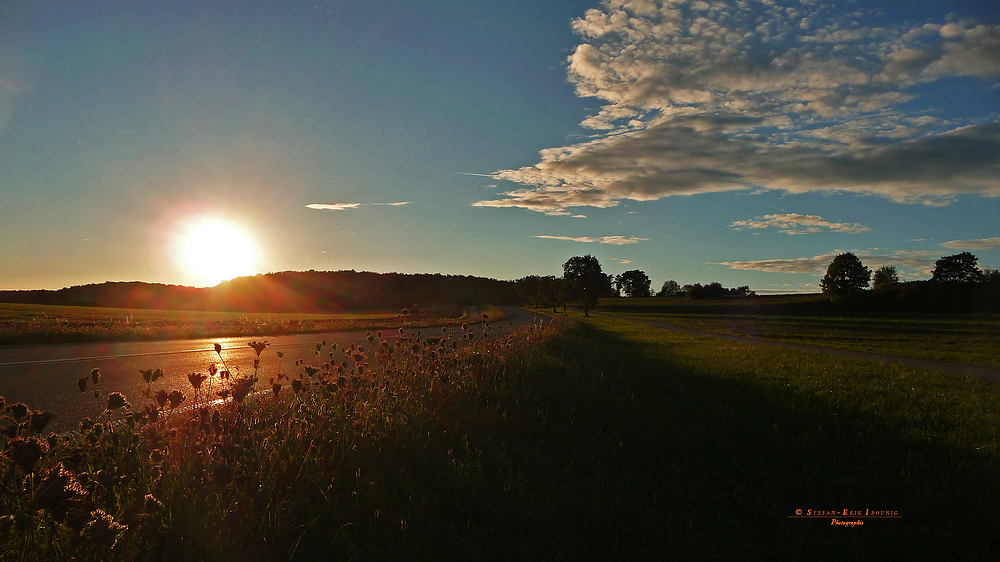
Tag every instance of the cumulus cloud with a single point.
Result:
(613, 240)
(793, 223)
(728, 95)
(346, 206)
(977, 244)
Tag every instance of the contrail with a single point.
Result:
(471, 174)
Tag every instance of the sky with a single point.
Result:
(745, 142)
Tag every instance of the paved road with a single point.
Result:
(45, 376)
(991, 374)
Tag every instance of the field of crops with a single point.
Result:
(970, 339)
(23, 323)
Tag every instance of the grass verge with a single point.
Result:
(603, 440)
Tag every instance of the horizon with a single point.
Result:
(743, 143)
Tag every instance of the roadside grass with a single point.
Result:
(30, 323)
(602, 440)
(747, 434)
(974, 340)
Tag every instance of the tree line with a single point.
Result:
(584, 281)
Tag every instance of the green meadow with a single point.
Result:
(970, 339)
(588, 439)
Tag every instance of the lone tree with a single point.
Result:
(670, 289)
(884, 277)
(845, 276)
(633, 283)
(957, 268)
(586, 280)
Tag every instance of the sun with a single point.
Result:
(214, 250)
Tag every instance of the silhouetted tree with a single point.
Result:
(586, 280)
(547, 291)
(529, 289)
(884, 277)
(633, 283)
(670, 289)
(957, 268)
(560, 291)
(845, 276)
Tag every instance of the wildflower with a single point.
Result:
(280, 354)
(196, 379)
(18, 410)
(82, 383)
(175, 398)
(161, 397)
(217, 422)
(57, 488)
(212, 369)
(258, 346)
(150, 504)
(103, 530)
(276, 388)
(26, 453)
(218, 349)
(38, 420)
(95, 375)
(241, 388)
(116, 400)
(311, 371)
(97, 394)
(297, 386)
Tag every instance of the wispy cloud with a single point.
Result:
(712, 96)
(920, 262)
(613, 240)
(346, 206)
(977, 244)
(793, 223)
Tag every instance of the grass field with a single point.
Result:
(29, 323)
(970, 339)
(601, 440)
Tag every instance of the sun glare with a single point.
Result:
(215, 251)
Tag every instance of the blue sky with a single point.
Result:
(740, 142)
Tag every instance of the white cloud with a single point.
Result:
(734, 95)
(977, 244)
(794, 223)
(346, 206)
(333, 206)
(919, 262)
(613, 240)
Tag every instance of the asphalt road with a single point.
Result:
(45, 376)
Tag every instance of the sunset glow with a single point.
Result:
(214, 251)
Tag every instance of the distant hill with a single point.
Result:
(287, 291)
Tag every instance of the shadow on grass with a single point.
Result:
(601, 448)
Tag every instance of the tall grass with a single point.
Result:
(597, 441)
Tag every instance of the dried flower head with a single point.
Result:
(175, 398)
(95, 375)
(196, 379)
(82, 383)
(218, 349)
(18, 410)
(116, 400)
(103, 530)
(258, 346)
(161, 397)
(38, 420)
(26, 453)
